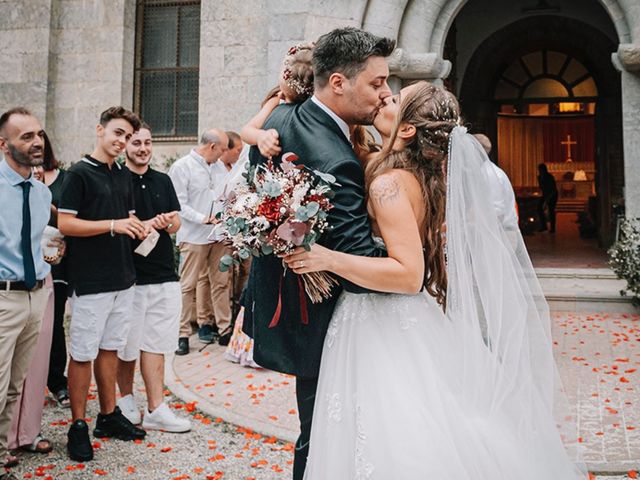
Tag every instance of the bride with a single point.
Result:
(451, 375)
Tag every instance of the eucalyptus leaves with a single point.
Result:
(625, 257)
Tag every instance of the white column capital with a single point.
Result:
(627, 57)
(408, 65)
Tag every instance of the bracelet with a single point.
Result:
(111, 228)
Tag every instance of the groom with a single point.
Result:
(350, 88)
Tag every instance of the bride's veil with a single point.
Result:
(501, 319)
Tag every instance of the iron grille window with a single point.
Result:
(167, 66)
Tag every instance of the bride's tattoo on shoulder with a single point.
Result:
(385, 190)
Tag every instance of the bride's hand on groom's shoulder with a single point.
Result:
(318, 259)
(269, 143)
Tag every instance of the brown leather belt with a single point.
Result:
(19, 286)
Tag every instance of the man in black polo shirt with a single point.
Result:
(96, 214)
(157, 298)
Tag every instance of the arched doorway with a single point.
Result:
(535, 86)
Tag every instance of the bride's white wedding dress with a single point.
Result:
(386, 408)
(407, 392)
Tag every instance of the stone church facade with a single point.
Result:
(198, 64)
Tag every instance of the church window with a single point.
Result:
(167, 67)
(545, 75)
(545, 88)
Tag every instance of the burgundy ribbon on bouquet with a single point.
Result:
(304, 314)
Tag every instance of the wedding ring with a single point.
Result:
(301, 264)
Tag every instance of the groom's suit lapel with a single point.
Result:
(310, 108)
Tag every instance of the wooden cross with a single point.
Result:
(568, 144)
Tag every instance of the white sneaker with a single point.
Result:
(162, 418)
(129, 409)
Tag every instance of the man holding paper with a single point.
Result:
(199, 180)
(97, 216)
(155, 314)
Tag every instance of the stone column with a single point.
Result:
(627, 60)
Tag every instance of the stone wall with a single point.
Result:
(24, 58)
(242, 45)
(90, 69)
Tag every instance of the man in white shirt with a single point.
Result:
(235, 160)
(205, 291)
(504, 200)
(197, 179)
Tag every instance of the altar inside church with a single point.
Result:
(565, 144)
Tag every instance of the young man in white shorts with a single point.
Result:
(96, 214)
(155, 317)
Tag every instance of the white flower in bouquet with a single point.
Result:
(299, 193)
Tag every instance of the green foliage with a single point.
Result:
(625, 257)
(167, 161)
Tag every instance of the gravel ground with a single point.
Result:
(212, 450)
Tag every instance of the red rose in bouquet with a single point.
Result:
(270, 209)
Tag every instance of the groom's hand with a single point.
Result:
(269, 143)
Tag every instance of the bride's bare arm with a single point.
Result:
(393, 198)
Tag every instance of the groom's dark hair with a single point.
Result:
(346, 50)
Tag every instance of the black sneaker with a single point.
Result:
(224, 339)
(115, 424)
(78, 443)
(183, 346)
(205, 334)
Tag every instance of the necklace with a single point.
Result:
(206, 169)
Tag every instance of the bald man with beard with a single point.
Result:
(26, 203)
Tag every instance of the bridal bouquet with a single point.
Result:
(276, 209)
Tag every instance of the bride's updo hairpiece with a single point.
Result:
(435, 113)
(297, 71)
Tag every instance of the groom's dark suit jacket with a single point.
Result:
(291, 346)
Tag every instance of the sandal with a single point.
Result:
(10, 461)
(62, 397)
(39, 445)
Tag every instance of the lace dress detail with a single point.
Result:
(364, 469)
(334, 407)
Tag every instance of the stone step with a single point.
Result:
(570, 205)
(594, 290)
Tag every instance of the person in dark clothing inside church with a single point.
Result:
(549, 199)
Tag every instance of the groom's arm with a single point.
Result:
(350, 225)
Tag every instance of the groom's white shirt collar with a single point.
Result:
(341, 123)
